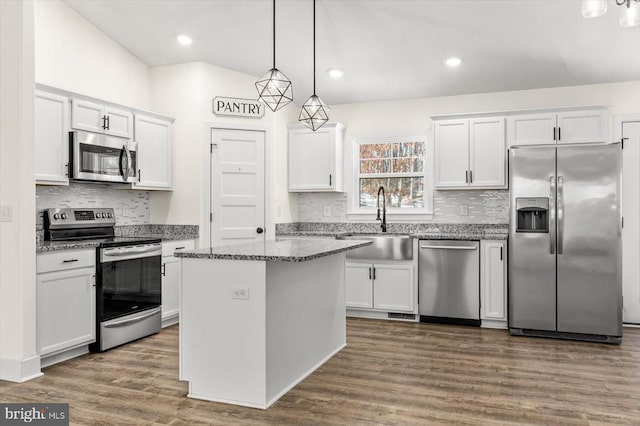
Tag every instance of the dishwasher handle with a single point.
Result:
(450, 247)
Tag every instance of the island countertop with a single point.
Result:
(276, 251)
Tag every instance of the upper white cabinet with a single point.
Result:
(51, 138)
(154, 152)
(316, 158)
(493, 283)
(563, 127)
(94, 117)
(470, 153)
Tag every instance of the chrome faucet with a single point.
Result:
(383, 221)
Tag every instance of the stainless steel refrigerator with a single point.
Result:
(565, 276)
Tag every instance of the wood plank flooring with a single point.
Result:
(390, 373)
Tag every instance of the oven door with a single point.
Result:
(99, 157)
(129, 280)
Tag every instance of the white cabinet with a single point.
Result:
(493, 283)
(66, 300)
(564, 127)
(316, 158)
(172, 280)
(387, 287)
(94, 117)
(470, 153)
(154, 152)
(51, 134)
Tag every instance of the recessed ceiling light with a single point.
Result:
(184, 40)
(335, 72)
(453, 62)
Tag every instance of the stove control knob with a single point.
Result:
(64, 215)
(56, 216)
(110, 215)
(101, 215)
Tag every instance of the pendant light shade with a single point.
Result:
(593, 8)
(274, 88)
(314, 112)
(630, 14)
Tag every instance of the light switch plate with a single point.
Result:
(326, 211)
(6, 213)
(464, 210)
(240, 293)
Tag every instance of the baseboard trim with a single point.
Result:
(497, 324)
(169, 321)
(20, 370)
(47, 360)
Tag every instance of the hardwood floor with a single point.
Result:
(390, 373)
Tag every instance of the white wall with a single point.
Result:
(74, 55)
(18, 356)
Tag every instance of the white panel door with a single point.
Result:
(312, 159)
(487, 153)
(154, 152)
(51, 138)
(583, 126)
(493, 287)
(393, 287)
(358, 285)
(119, 122)
(631, 229)
(451, 153)
(531, 129)
(237, 186)
(87, 116)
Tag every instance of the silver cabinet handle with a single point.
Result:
(552, 215)
(69, 260)
(370, 273)
(127, 321)
(560, 214)
(449, 247)
(470, 176)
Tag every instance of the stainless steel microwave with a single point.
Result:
(98, 157)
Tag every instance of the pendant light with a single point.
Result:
(629, 12)
(274, 88)
(314, 112)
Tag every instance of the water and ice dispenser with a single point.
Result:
(532, 215)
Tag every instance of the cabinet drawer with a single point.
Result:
(170, 247)
(65, 259)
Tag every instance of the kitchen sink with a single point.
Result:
(385, 246)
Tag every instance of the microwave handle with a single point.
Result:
(122, 153)
(129, 162)
(125, 170)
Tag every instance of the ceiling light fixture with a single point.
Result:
(184, 40)
(335, 72)
(453, 62)
(274, 88)
(314, 113)
(629, 14)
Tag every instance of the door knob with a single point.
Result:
(259, 230)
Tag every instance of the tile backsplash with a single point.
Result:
(85, 195)
(488, 206)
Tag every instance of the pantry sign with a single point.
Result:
(238, 107)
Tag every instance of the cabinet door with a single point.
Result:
(170, 287)
(312, 160)
(66, 304)
(493, 286)
(531, 129)
(583, 126)
(154, 152)
(51, 138)
(87, 116)
(358, 285)
(119, 122)
(487, 153)
(451, 154)
(393, 287)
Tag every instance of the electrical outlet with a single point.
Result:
(327, 211)
(125, 211)
(6, 213)
(240, 293)
(464, 210)
(278, 211)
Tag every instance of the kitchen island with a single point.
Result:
(258, 318)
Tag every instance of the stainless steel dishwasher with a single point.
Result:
(449, 281)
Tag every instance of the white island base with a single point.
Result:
(251, 350)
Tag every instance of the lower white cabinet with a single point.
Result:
(493, 283)
(66, 300)
(387, 287)
(172, 280)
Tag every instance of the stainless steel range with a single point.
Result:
(128, 274)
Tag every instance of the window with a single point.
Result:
(397, 164)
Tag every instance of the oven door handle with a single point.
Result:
(136, 250)
(114, 255)
(128, 321)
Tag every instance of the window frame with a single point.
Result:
(396, 213)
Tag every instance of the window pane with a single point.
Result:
(375, 150)
(408, 165)
(375, 166)
(402, 192)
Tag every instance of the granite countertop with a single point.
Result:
(276, 251)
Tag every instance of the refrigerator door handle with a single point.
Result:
(560, 214)
(552, 215)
